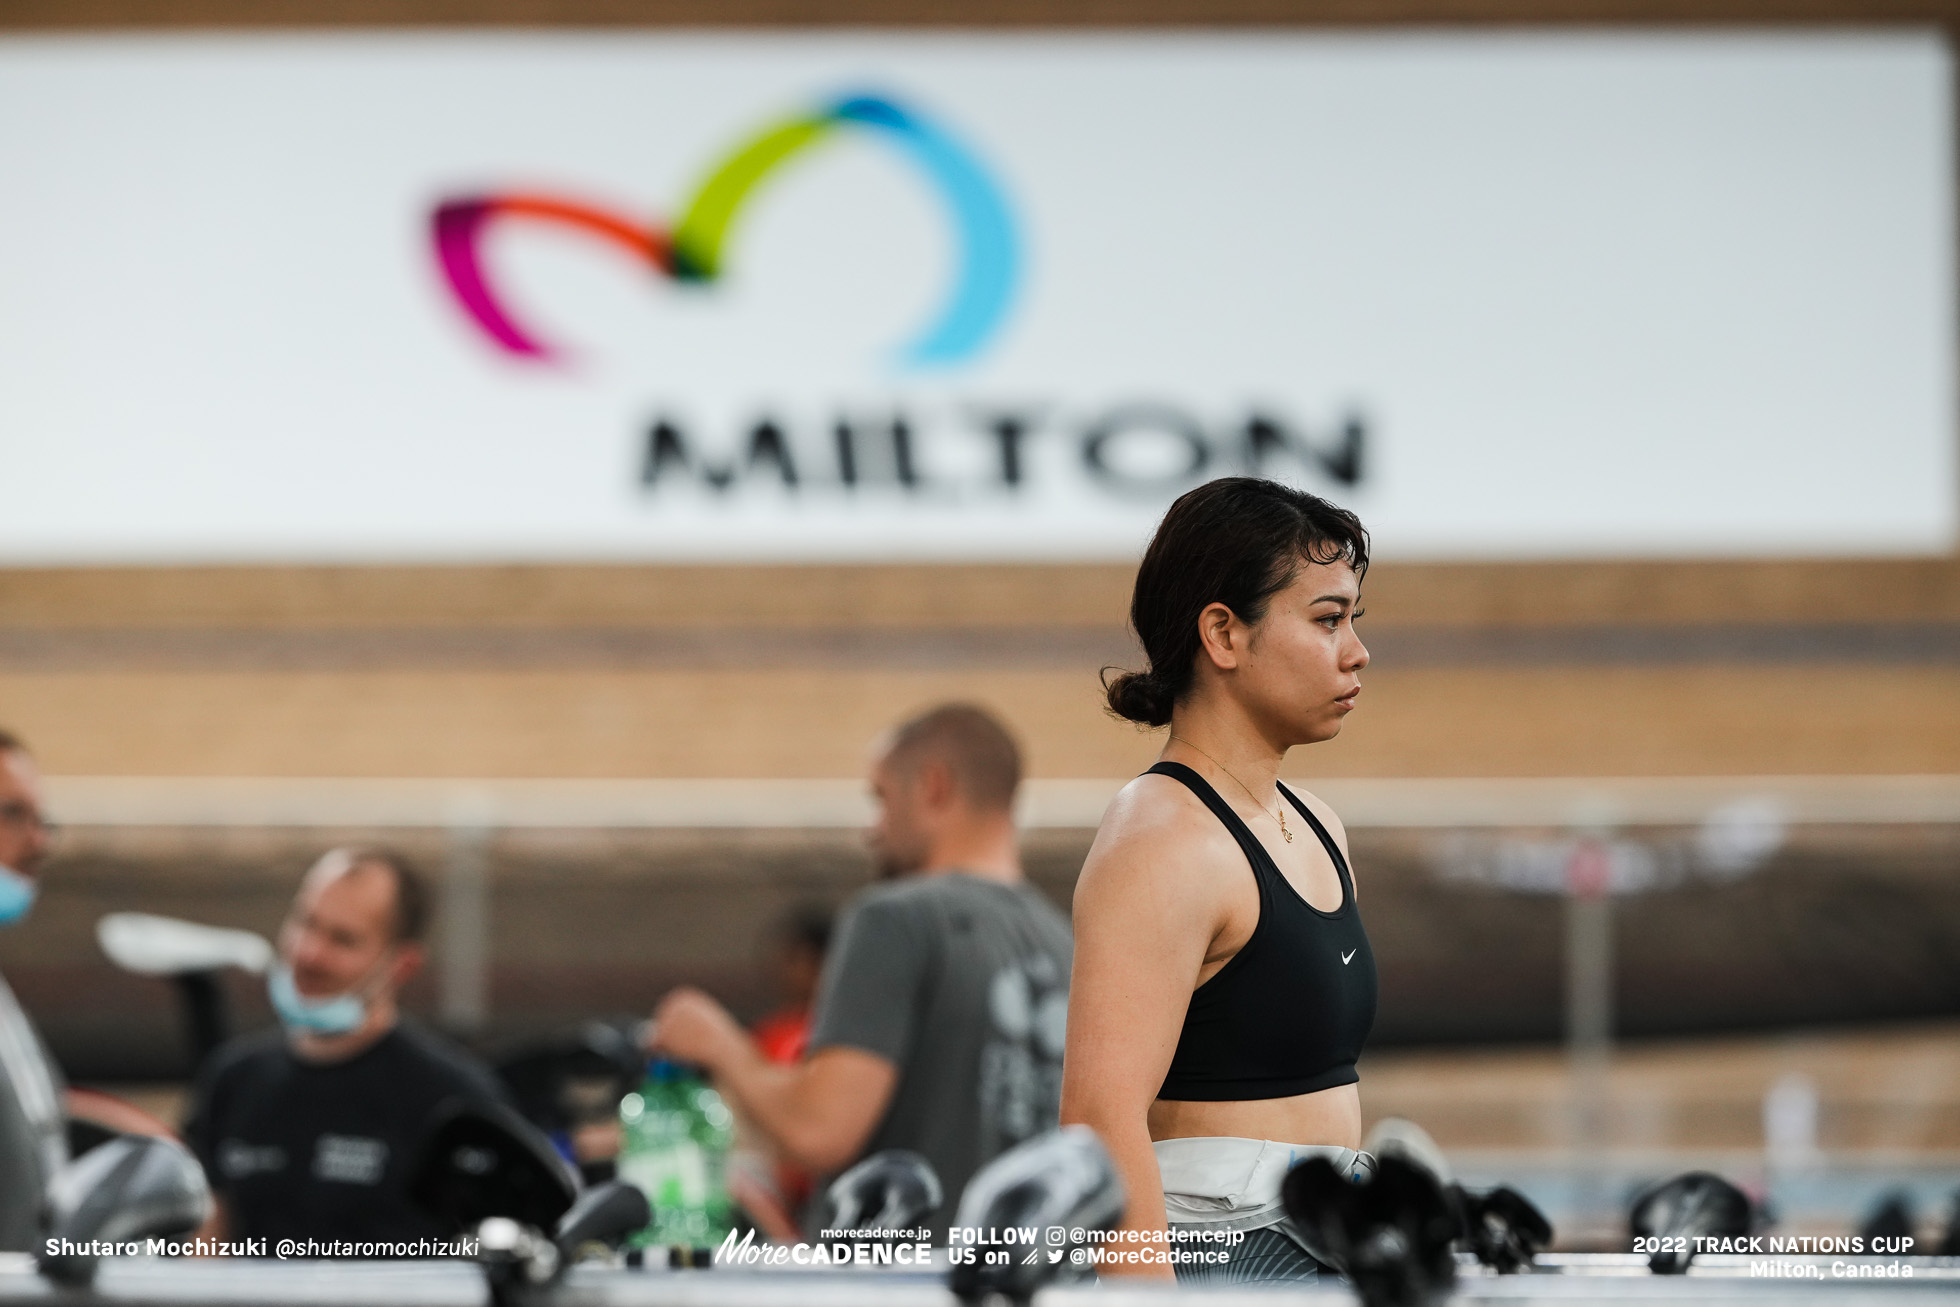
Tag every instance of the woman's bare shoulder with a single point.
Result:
(1154, 807)
(1152, 832)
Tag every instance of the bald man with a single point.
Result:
(307, 1132)
(939, 1020)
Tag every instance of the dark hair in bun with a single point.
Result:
(1236, 541)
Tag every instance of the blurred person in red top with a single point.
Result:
(769, 1186)
(797, 951)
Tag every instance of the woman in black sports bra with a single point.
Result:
(1223, 986)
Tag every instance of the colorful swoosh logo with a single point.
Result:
(695, 248)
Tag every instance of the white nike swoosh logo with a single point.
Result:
(1348, 956)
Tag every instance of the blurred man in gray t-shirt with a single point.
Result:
(961, 982)
(939, 1023)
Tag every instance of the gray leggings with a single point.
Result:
(1266, 1257)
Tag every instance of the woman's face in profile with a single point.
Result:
(1302, 665)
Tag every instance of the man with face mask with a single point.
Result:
(307, 1132)
(33, 1142)
(939, 1019)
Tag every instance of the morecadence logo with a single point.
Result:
(695, 249)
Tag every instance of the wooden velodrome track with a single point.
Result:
(1634, 669)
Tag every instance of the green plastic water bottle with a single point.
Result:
(675, 1149)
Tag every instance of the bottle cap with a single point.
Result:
(665, 1070)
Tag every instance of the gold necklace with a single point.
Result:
(1278, 815)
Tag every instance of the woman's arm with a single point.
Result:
(1143, 925)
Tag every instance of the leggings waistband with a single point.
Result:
(1225, 1182)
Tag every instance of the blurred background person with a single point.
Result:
(939, 1022)
(796, 956)
(770, 1187)
(307, 1131)
(33, 1142)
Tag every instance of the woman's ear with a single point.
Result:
(1220, 636)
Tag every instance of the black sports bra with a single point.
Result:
(1289, 1012)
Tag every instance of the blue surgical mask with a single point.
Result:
(16, 894)
(339, 1015)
